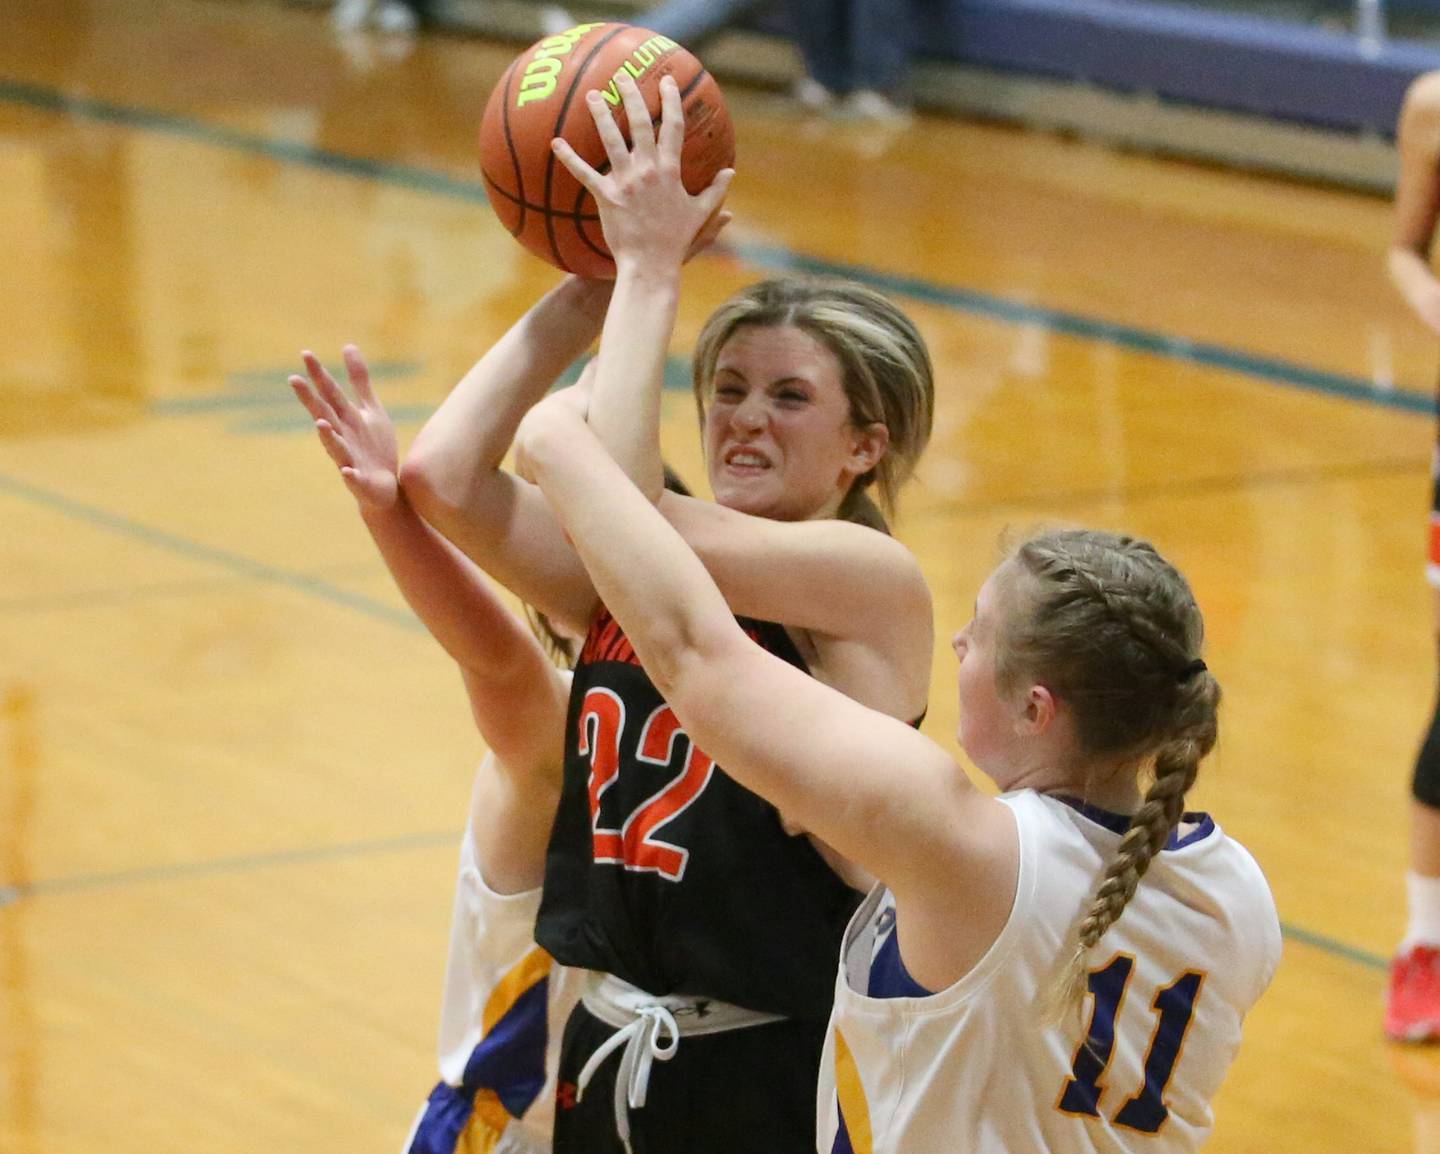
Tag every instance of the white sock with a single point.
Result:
(1423, 927)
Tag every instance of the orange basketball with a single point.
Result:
(542, 96)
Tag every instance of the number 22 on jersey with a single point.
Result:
(635, 845)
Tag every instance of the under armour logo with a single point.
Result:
(565, 1095)
(700, 1008)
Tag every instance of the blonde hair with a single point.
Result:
(885, 369)
(1112, 629)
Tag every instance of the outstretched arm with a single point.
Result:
(875, 596)
(1417, 200)
(652, 224)
(453, 473)
(517, 696)
(875, 789)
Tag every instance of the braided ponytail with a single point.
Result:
(1113, 629)
(1177, 763)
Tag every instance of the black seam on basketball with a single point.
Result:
(579, 219)
(551, 161)
(658, 116)
(510, 144)
(694, 84)
(491, 186)
(493, 190)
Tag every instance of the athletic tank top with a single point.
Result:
(979, 1068)
(664, 871)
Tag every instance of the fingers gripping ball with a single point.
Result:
(542, 96)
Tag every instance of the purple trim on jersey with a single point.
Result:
(888, 976)
(509, 1060)
(446, 1115)
(1120, 822)
(842, 1144)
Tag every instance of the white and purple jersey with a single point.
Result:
(977, 1067)
(504, 1008)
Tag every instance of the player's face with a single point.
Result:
(778, 437)
(987, 718)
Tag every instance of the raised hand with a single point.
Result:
(645, 211)
(358, 435)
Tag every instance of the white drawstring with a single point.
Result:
(649, 1027)
(641, 1039)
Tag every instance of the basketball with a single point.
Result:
(542, 96)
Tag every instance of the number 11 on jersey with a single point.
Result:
(1174, 1005)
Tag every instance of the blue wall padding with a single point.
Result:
(1212, 59)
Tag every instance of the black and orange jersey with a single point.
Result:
(664, 871)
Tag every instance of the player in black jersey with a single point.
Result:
(708, 917)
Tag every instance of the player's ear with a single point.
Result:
(1038, 711)
(867, 446)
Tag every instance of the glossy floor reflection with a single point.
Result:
(233, 769)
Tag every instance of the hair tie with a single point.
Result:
(1195, 667)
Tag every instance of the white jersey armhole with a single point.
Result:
(860, 944)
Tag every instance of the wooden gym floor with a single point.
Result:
(232, 768)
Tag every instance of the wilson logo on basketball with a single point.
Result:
(538, 80)
(656, 48)
(542, 96)
(540, 77)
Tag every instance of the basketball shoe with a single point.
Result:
(1412, 1009)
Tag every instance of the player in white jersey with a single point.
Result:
(505, 1000)
(1195, 949)
(504, 1009)
(1036, 1011)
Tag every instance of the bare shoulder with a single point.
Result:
(1420, 114)
(712, 526)
(959, 835)
(880, 551)
(1424, 92)
(956, 901)
(829, 577)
